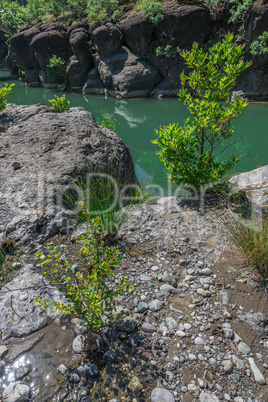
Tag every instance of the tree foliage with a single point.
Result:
(188, 151)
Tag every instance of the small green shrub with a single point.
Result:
(238, 10)
(168, 51)
(89, 294)
(108, 121)
(259, 46)
(56, 66)
(60, 104)
(152, 9)
(252, 239)
(99, 10)
(4, 91)
(188, 151)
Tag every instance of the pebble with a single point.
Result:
(259, 378)
(229, 333)
(206, 272)
(181, 334)
(171, 323)
(62, 369)
(148, 328)
(92, 371)
(126, 324)
(166, 288)
(198, 341)
(21, 372)
(207, 396)
(192, 357)
(243, 348)
(135, 385)
(142, 306)
(16, 165)
(156, 305)
(78, 344)
(3, 351)
(161, 395)
(227, 366)
(74, 378)
(225, 298)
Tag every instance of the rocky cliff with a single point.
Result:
(135, 58)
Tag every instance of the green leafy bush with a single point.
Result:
(89, 294)
(99, 10)
(238, 10)
(168, 51)
(108, 121)
(259, 46)
(12, 16)
(4, 91)
(152, 9)
(252, 239)
(188, 151)
(60, 104)
(56, 66)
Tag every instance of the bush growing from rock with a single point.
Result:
(88, 293)
(60, 104)
(4, 91)
(188, 151)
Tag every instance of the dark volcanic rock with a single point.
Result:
(47, 44)
(24, 54)
(107, 39)
(50, 147)
(137, 32)
(77, 74)
(127, 75)
(256, 22)
(186, 24)
(3, 49)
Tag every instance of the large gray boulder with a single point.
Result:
(126, 75)
(40, 152)
(255, 186)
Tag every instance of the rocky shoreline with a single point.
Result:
(122, 60)
(185, 336)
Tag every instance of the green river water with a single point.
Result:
(139, 118)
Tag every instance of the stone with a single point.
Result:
(62, 369)
(145, 277)
(126, 75)
(126, 324)
(243, 348)
(166, 287)
(192, 357)
(74, 378)
(161, 395)
(21, 372)
(206, 272)
(156, 305)
(199, 341)
(207, 396)
(259, 378)
(228, 332)
(180, 333)
(142, 306)
(135, 385)
(78, 344)
(225, 298)
(3, 351)
(92, 371)
(227, 366)
(107, 39)
(171, 323)
(73, 137)
(16, 392)
(148, 328)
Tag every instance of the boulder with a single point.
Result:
(255, 186)
(76, 74)
(137, 32)
(50, 149)
(46, 44)
(127, 75)
(256, 22)
(32, 78)
(93, 84)
(21, 46)
(3, 49)
(79, 39)
(186, 24)
(107, 39)
(49, 81)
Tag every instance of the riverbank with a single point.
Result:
(194, 323)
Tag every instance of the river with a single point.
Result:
(139, 118)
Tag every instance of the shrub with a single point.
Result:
(99, 10)
(4, 91)
(60, 104)
(88, 294)
(108, 121)
(56, 66)
(252, 239)
(188, 151)
(259, 46)
(152, 9)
